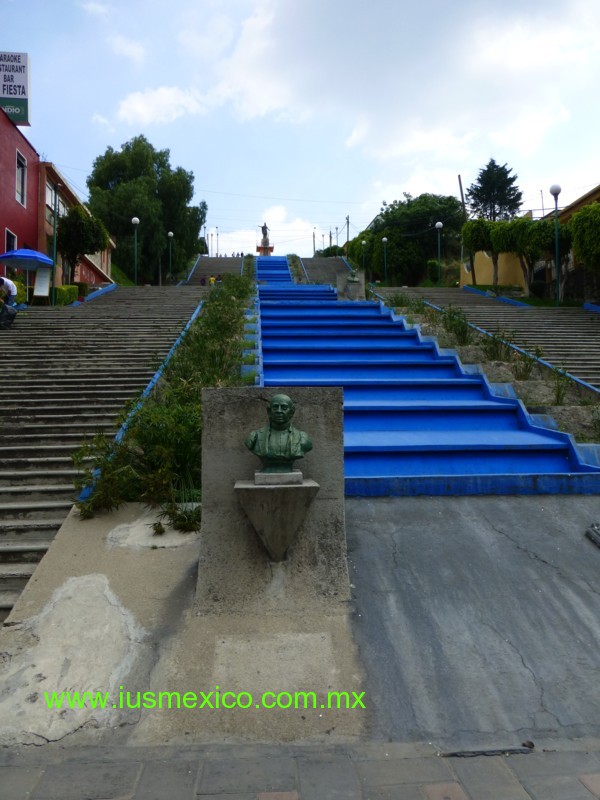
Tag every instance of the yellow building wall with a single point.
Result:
(509, 271)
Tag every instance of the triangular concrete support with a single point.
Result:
(276, 512)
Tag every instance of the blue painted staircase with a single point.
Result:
(416, 421)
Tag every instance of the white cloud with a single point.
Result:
(159, 106)
(293, 235)
(98, 119)
(96, 9)
(206, 39)
(129, 48)
(359, 133)
(256, 78)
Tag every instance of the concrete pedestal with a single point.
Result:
(276, 512)
(236, 574)
(350, 290)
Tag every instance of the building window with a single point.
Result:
(53, 196)
(21, 179)
(10, 241)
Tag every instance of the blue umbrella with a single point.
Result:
(25, 259)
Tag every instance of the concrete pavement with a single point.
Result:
(477, 626)
(371, 771)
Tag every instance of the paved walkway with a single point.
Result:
(371, 771)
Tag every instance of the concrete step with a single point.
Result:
(31, 530)
(75, 404)
(14, 576)
(34, 492)
(41, 509)
(35, 477)
(24, 552)
(67, 434)
(35, 451)
(8, 598)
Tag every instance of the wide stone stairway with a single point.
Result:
(569, 338)
(415, 420)
(68, 373)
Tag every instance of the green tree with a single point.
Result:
(77, 234)
(477, 235)
(409, 226)
(138, 181)
(494, 195)
(585, 229)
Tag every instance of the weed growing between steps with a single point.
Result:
(548, 391)
(158, 460)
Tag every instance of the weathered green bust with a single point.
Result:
(353, 276)
(279, 444)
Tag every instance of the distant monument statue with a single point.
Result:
(279, 444)
(264, 248)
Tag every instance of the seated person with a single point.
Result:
(9, 290)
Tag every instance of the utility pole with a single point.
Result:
(347, 232)
(471, 260)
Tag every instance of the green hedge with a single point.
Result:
(21, 292)
(83, 289)
(63, 295)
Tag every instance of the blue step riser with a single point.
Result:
(389, 356)
(411, 391)
(362, 327)
(365, 465)
(465, 419)
(414, 421)
(291, 315)
(343, 343)
(472, 485)
(312, 375)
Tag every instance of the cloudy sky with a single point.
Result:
(301, 113)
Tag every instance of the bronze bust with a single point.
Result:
(279, 444)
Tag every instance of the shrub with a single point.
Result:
(63, 295)
(398, 300)
(497, 346)
(83, 288)
(432, 270)
(562, 382)
(21, 292)
(158, 459)
(524, 362)
(455, 321)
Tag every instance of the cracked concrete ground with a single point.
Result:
(477, 618)
(477, 621)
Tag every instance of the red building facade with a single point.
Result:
(19, 182)
(31, 191)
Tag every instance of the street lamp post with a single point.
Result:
(438, 227)
(555, 191)
(363, 245)
(170, 235)
(55, 222)
(135, 222)
(217, 241)
(384, 240)
(205, 242)
(211, 245)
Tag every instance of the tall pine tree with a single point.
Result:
(494, 195)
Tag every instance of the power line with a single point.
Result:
(284, 199)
